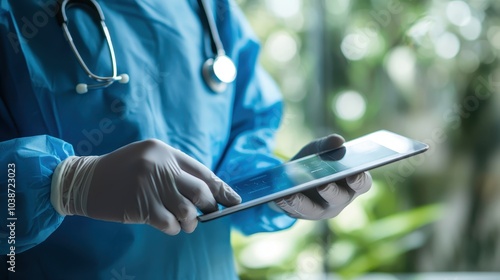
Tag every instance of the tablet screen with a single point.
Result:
(304, 170)
(365, 153)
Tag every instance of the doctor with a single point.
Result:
(113, 144)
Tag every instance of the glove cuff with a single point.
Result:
(70, 184)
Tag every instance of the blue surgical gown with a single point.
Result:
(161, 45)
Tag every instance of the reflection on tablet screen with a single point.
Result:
(303, 170)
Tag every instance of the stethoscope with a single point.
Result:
(217, 72)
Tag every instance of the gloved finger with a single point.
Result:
(326, 143)
(222, 193)
(197, 192)
(300, 206)
(185, 213)
(360, 183)
(188, 216)
(336, 194)
(162, 219)
(171, 197)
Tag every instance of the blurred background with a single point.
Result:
(426, 69)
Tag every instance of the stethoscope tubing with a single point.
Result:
(103, 81)
(82, 63)
(217, 72)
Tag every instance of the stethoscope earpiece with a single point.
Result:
(124, 78)
(84, 88)
(81, 88)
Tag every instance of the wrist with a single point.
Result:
(56, 188)
(70, 185)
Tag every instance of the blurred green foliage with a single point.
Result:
(425, 69)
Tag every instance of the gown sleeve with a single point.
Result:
(257, 113)
(27, 166)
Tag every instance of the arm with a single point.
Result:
(32, 161)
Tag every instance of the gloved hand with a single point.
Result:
(327, 201)
(146, 182)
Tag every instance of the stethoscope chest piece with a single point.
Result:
(218, 72)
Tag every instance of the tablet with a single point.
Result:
(362, 154)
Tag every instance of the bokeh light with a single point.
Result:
(349, 105)
(400, 65)
(281, 46)
(447, 45)
(264, 252)
(284, 8)
(458, 13)
(355, 46)
(471, 30)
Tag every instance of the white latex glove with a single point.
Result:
(146, 182)
(328, 200)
